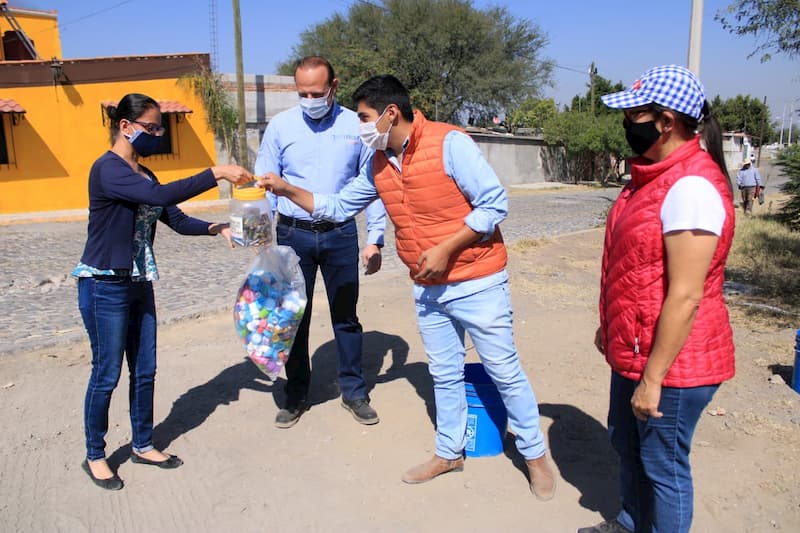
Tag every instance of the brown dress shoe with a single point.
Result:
(432, 468)
(542, 478)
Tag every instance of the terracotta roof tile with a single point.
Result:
(170, 106)
(167, 106)
(9, 105)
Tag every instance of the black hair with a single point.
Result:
(709, 129)
(378, 92)
(130, 107)
(313, 62)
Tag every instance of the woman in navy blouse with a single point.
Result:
(116, 271)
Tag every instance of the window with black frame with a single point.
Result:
(3, 144)
(166, 143)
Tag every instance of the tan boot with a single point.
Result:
(432, 468)
(542, 478)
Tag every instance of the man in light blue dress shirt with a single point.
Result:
(460, 280)
(749, 181)
(316, 145)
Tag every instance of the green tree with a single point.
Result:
(789, 161)
(594, 143)
(601, 86)
(745, 114)
(533, 113)
(221, 115)
(457, 61)
(774, 23)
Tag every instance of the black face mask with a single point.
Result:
(641, 135)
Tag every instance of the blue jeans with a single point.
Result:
(335, 252)
(486, 316)
(120, 317)
(655, 475)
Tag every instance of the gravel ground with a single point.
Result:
(201, 275)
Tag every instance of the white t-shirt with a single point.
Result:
(693, 203)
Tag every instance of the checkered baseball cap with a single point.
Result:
(671, 86)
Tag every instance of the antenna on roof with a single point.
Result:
(12, 21)
(212, 34)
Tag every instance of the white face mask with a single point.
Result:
(372, 137)
(316, 108)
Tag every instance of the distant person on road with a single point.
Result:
(116, 271)
(316, 145)
(664, 326)
(748, 180)
(446, 204)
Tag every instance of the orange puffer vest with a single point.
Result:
(634, 282)
(426, 206)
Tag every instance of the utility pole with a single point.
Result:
(695, 36)
(761, 139)
(237, 36)
(592, 74)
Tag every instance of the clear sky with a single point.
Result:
(624, 38)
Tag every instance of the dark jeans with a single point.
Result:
(335, 253)
(120, 317)
(655, 475)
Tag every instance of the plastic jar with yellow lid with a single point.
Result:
(250, 217)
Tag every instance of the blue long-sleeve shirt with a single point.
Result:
(321, 156)
(748, 177)
(115, 192)
(465, 164)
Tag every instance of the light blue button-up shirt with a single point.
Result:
(464, 162)
(321, 156)
(748, 177)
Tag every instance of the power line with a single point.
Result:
(587, 71)
(109, 8)
(84, 17)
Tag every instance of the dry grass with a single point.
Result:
(766, 254)
(527, 245)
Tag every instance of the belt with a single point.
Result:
(317, 226)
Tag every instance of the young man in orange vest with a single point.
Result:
(445, 202)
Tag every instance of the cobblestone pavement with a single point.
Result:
(200, 275)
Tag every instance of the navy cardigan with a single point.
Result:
(115, 192)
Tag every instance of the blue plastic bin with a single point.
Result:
(486, 413)
(795, 370)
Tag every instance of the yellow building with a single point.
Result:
(52, 116)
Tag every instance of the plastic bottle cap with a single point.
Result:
(249, 193)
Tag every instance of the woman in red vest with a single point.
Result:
(664, 326)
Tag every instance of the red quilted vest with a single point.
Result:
(634, 284)
(426, 206)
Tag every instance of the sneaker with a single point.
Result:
(289, 415)
(361, 411)
(609, 526)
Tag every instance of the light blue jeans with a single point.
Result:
(486, 316)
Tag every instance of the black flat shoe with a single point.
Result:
(173, 462)
(112, 483)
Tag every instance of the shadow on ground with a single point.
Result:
(579, 447)
(377, 347)
(194, 406)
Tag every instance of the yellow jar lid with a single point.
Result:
(249, 193)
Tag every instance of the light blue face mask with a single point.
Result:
(316, 108)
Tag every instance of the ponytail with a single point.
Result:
(710, 133)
